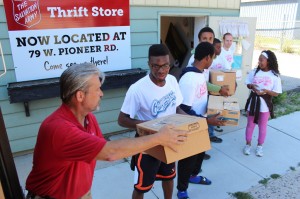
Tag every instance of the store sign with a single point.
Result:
(47, 36)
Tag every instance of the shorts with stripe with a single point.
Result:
(148, 169)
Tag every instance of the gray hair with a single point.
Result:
(76, 78)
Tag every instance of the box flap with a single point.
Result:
(175, 119)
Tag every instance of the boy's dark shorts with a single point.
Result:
(150, 169)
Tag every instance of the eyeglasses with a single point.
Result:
(157, 67)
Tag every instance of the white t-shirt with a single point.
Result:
(264, 80)
(146, 101)
(219, 63)
(228, 56)
(194, 90)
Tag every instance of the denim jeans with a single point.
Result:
(211, 130)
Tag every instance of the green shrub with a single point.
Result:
(241, 195)
(275, 176)
(287, 48)
(279, 99)
(264, 181)
(293, 168)
(286, 103)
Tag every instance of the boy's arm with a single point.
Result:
(212, 87)
(124, 120)
(223, 90)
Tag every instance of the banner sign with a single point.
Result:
(47, 36)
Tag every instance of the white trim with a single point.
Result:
(176, 14)
(184, 14)
(4, 65)
(248, 1)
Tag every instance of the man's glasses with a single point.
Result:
(157, 67)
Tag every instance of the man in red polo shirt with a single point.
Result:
(70, 141)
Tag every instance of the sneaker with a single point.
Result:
(259, 151)
(215, 139)
(206, 157)
(218, 129)
(247, 149)
(182, 195)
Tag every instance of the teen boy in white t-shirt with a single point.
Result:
(195, 96)
(155, 95)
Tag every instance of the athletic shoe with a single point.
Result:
(182, 195)
(218, 129)
(247, 149)
(259, 151)
(215, 139)
(206, 157)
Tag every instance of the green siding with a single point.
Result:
(138, 25)
(108, 127)
(8, 108)
(140, 62)
(24, 144)
(20, 119)
(17, 133)
(139, 51)
(5, 45)
(144, 22)
(8, 77)
(4, 30)
(145, 38)
(2, 14)
(3, 92)
(8, 61)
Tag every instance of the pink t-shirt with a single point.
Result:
(64, 156)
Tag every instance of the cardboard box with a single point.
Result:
(223, 78)
(197, 141)
(228, 107)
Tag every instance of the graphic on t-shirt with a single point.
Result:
(161, 105)
(217, 66)
(229, 58)
(265, 81)
(201, 90)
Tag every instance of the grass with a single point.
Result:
(286, 103)
(264, 181)
(293, 168)
(275, 176)
(241, 195)
(275, 43)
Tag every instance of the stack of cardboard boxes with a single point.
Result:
(223, 78)
(227, 107)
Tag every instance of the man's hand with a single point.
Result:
(215, 120)
(171, 137)
(224, 91)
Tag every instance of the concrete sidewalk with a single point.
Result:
(229, 169)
